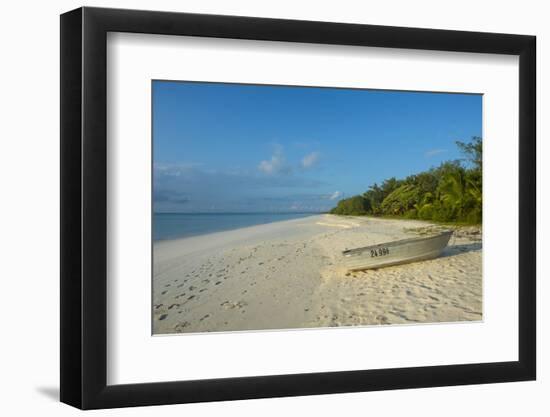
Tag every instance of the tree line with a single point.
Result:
(451, 192)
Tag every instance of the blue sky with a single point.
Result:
(248, 148)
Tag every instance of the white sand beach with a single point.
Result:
(289, 274)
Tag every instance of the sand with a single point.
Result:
(289, 274)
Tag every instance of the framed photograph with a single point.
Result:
(257, 208)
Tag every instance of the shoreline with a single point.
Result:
(302, 215)
(241, 230)
(287, 275)
(454, 226)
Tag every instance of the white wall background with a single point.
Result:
(29, 176)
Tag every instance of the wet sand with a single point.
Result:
(289, 274)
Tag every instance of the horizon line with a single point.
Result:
(239, 212)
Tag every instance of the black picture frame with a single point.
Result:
(84, 207)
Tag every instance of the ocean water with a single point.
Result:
(177, 225)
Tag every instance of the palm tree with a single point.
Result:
(475, 192)
(453, 191)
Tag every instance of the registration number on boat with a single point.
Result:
(379, 252)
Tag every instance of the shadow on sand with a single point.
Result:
(458, 249)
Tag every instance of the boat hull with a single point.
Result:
(396, 253)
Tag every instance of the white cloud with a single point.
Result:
(310, 159)
(434, 152)
(277, 163)
(335, 195)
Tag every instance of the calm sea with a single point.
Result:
(178, 225)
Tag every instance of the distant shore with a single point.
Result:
(289, 274)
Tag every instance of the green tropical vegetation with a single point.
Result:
(451, 192)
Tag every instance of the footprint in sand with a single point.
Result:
(230, 306)
(181, 326)
(163, 316)
(382, 319)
